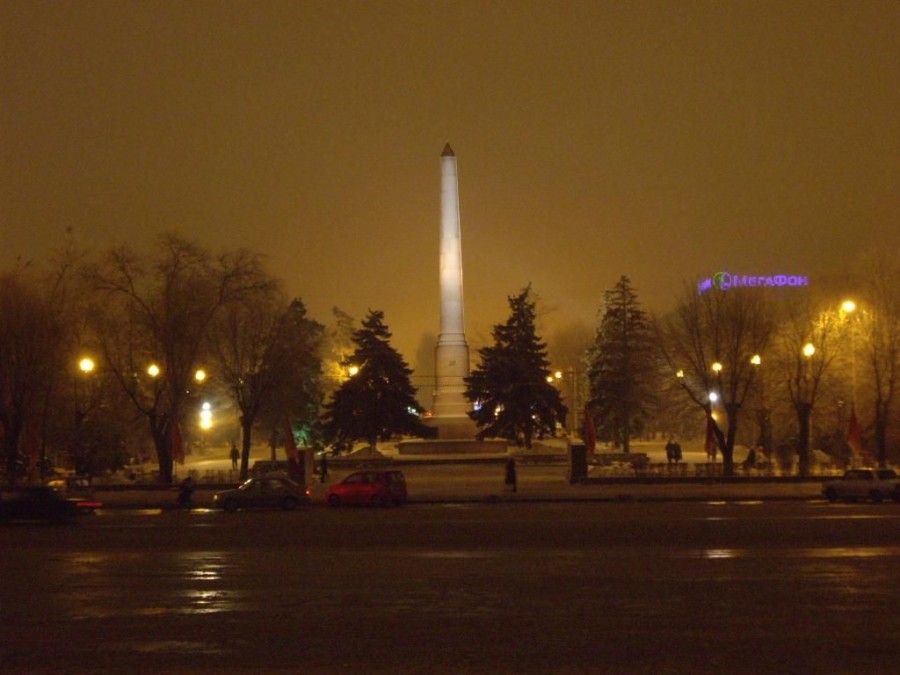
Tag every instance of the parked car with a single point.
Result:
(72, 486)
(874, 484)
(44, 503)
(263, 492)
(373, 487)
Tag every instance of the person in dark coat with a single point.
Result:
(186, 493)
(510, 479)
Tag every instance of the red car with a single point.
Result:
(373, 487)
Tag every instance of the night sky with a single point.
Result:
(661, 140)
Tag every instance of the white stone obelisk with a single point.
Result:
(450, 406)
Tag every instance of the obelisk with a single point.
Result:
(450, 406)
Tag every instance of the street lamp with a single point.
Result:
(200, 375)
(86, 366)
(848, 307)
(717, 367)
(206, 417)
(809, 349)
(153, 370)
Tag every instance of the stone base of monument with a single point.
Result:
(451, 446)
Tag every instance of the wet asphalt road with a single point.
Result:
(799, 587)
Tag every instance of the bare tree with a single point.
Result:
(804, 349)
(34, 308)
(709, 343)
(880, 327)
(30, 336)
(151, 316)
(267, 353)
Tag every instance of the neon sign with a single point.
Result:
(722, 281)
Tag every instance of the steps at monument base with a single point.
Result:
(451, 446)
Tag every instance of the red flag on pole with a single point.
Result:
(177, 443)
(854, 435)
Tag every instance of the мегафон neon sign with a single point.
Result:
(723, 281)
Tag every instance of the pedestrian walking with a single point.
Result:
(676, 452)
(670, 451)
(186, 493)
(235, 456)
(510, 480)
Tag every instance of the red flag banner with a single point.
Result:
(177, 443)
(854, 436)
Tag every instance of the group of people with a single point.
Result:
(673, 451)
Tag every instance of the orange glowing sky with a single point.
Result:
(662, 140)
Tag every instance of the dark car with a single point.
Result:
(44, 503)
(263, 492)
(371, 487)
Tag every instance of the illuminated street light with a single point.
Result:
(679, 374)
(848, 307)
(809, 349)
(153, 370)
(206, 416)
(713, 397)
(352, 370)
(200, 375)
(86, 365)
(756, 359)
(717, 367)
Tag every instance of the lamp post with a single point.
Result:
(762, 413)
(804, 408)
(848, 307)
(86, 366)
(574, 375)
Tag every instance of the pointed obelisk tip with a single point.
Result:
(448, 151)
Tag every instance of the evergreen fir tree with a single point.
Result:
(509, 389)
(622, 365)
(377, 402)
